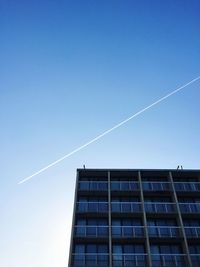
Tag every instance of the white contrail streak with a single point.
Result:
(110, 130)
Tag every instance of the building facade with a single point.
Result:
(136, 218)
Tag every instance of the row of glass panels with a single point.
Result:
(148, 186)
(135, 207)
(135, 231)
(133, 260)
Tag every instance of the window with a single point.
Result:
(191, 223)
(189, 205)
(92, 185)
(91, 255)
(167, 255)
(195, 255)
(116, 228)
(84, 185)
(115, 186)
(79, 256)
(102, 256)
(125, 205)
(192, 228)
(165, 249)
(117, 255)
(162, 228)
(116, 207)
(91, 227)
(158, 199)
(128, 255)
(80, 229)
(194, 249)
(162, 222)
(189, 200)
(159, 205)
(92, 204)
(124, 185)
(127, 228)
(82, 204)
(155, 186)
(126, 249)
(103, 186)
(134, 186)
(186, 186)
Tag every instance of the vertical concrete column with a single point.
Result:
(186, 249)
(109, 221)
(149, 263)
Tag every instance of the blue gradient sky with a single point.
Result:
(70, 70)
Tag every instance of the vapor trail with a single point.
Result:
(110, 130)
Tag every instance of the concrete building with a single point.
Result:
(136, 218)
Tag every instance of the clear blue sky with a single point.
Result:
(70, 70)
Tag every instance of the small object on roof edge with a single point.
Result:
(179, 167)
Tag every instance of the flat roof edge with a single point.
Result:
(125, 169)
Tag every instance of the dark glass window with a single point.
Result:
(191, 223)
(125, 186)
(179, 186)
(103, 186)
(80, 229)
(134, 186)
(79, 249)
(162, 228)
(194, 249)
(82, 205)
(94, 185)
(116, 229)
(127, 227)
(125, 204)
(91, 227)
(92, 204)
(126, 207)
(158, 199)
(115, 185)
(192, 228)
(117, 255)
(161, 222)
(103, 207)
(128, 231)
(165, 249)
(128, 255)
(127, 249)
(91, 258)
(102, 255)
(84, 185)
(159, 205)
(146, 186)
(167, 255)
(90, 255)
(79, 256)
